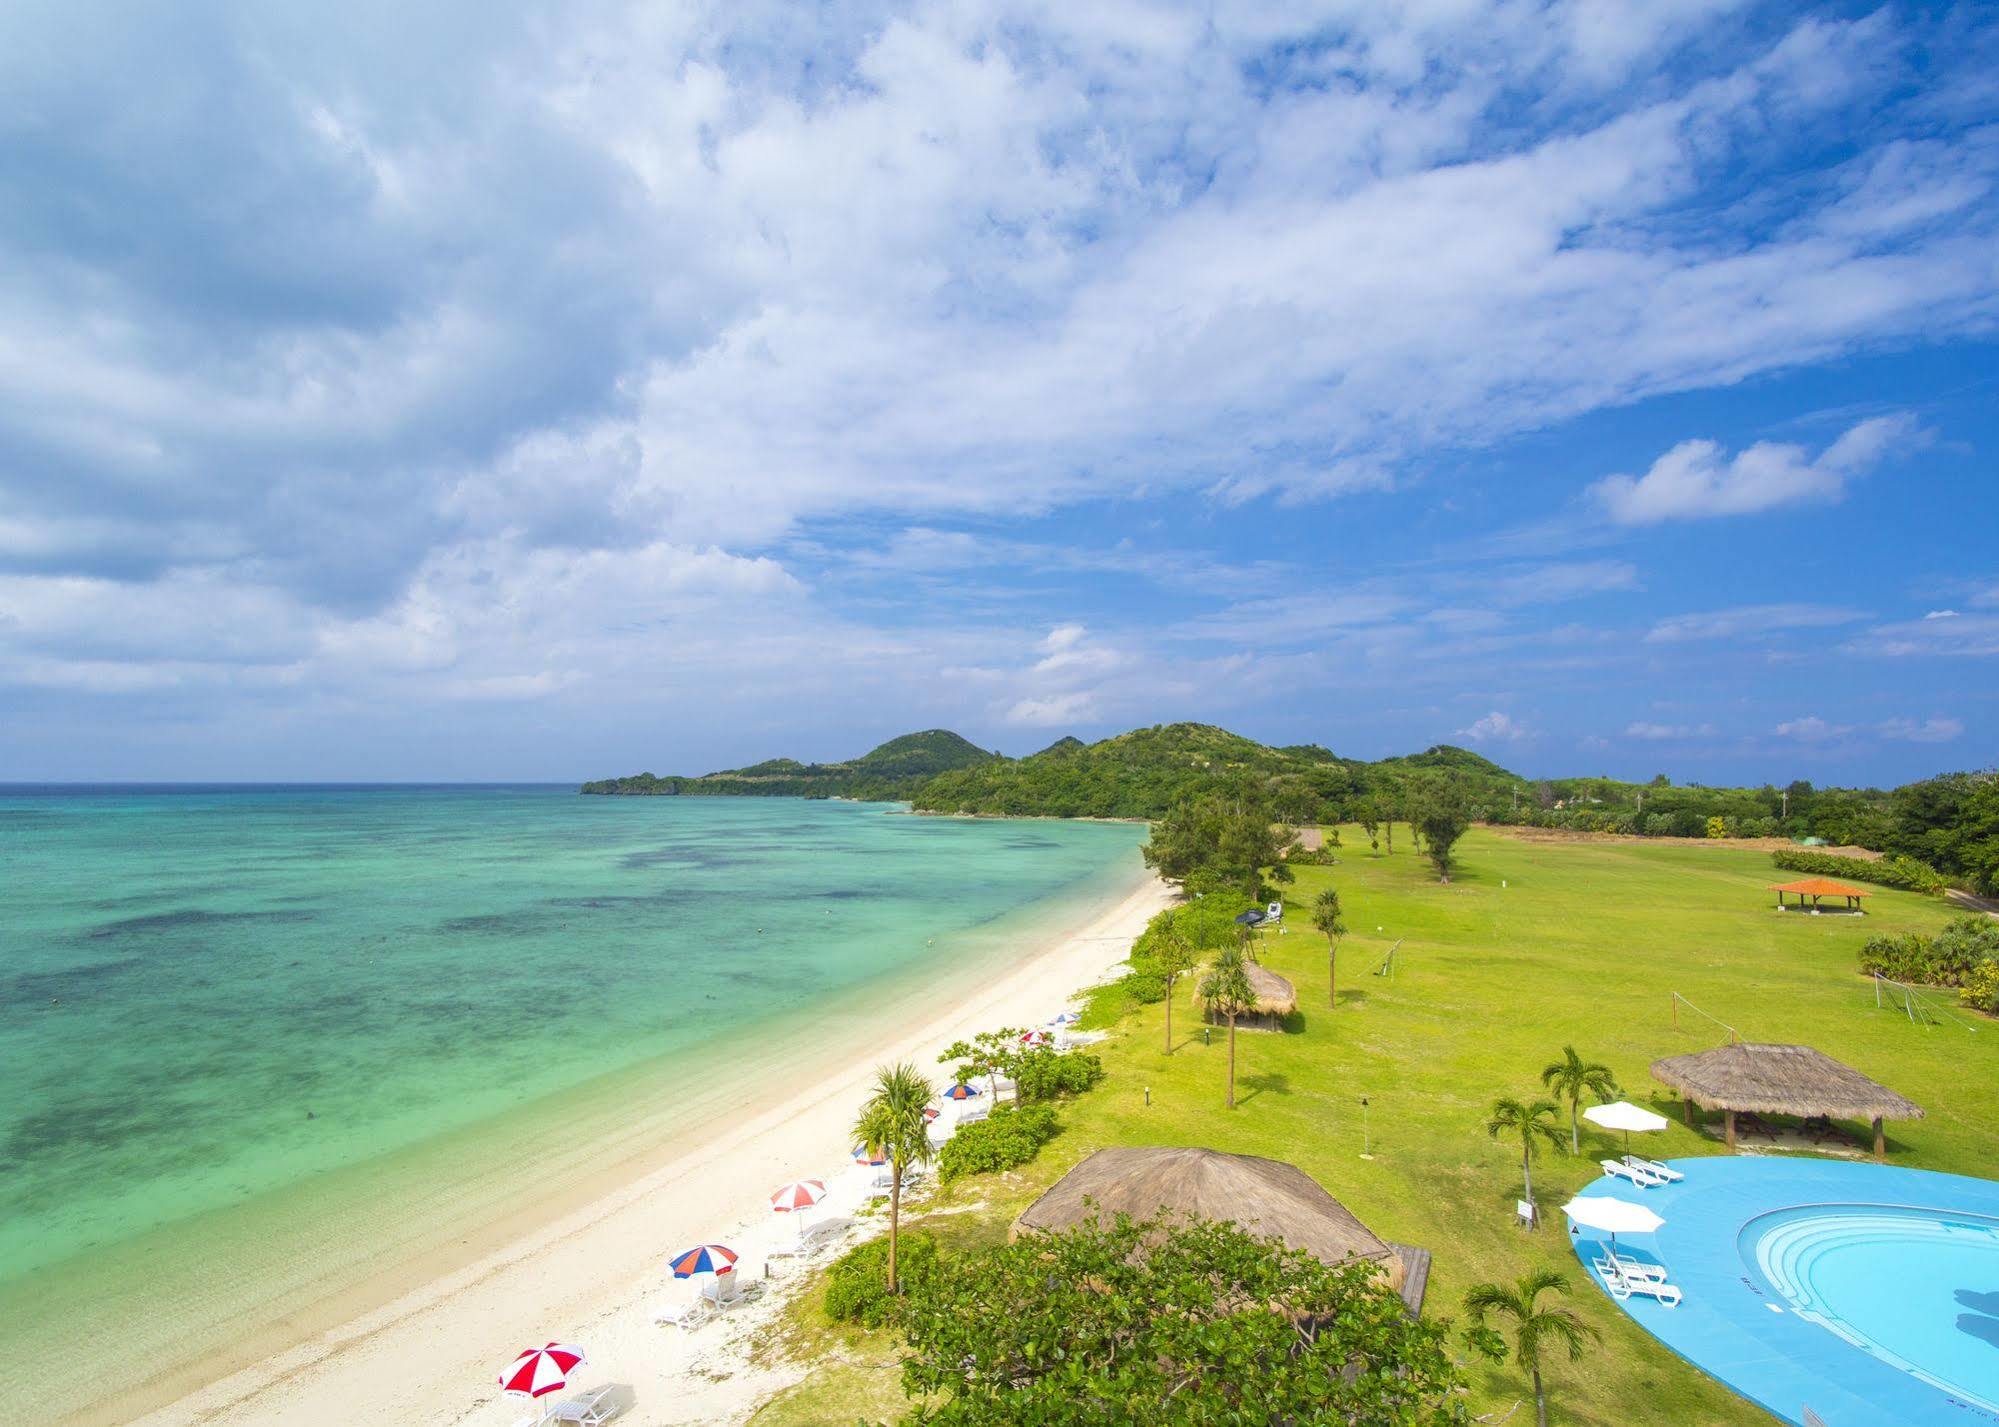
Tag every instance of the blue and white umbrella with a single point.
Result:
(961, 1091)
(1067, 1018)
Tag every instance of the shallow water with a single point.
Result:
(209, 997)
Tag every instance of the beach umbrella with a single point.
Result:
(802, 1195)
(961, 1091)
(1035, 1038)
(704, 1258)
(930, 1113)
(540, 1371)
(1251, 918)
(1612, 1215)
(1625, 1116)
(1067, 1018)
(869, 1155)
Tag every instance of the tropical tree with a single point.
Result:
(1174, 958)
(1534, 1327)
(1443, 812)
(1572, 1077)
(1326, 917)
(1533, 1122)
(989, 1053)
(1370, 823)
(1226, 840)
(1167, 1320)
(891, 1124)
(1227, 991)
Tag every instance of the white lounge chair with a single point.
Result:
(1664, 1172)
(973, 1112)
(1622, 1285)
(1617, 1169)
(1630, 1268)
(685, 1316)
(595, 1407)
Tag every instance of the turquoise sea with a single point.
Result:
(214, 998)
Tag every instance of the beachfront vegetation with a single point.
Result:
(1006, 1139)
(1223, 842)
(1037, 1069)
(1228, 994)
(1533, 945)
(857, 1286)
(1534, 1327)
(1167, 1321)
(1950, 821)
(891, 1124)
(1571, 1078)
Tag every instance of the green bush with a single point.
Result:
(1045, 1074)
(857, 1281)
(1953, 957)
(1904, 872)
(1903, 957)
(1981, 988)
(1008, 1139)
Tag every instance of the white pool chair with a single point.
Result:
(1617, 1169)
(1622, 1285)
(595, 1407)
(685, 1316)
(1664, 1172)
(1630, 1268)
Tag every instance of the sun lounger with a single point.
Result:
(1630, 1268)
(1664, 1172)
(685, 1316)
(1622, 1285)
(1644, 1179)
(730, 1290)
(595, 1407)
(972, 1114)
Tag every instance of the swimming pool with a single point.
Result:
(1866, 1293)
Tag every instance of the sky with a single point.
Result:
(475, 391)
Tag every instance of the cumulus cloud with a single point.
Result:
(1495, 727)
(1699, 479)
(1812, 729)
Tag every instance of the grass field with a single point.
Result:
(1532, 946)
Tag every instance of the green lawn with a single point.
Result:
(1533, 945)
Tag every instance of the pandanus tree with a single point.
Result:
(1533, 1122)
(1535, 1328)
(1571, 1078)
(1326, 917)
(1227, 991)
(1175, 959)
(891, 1125)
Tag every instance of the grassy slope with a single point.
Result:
(1582, 946)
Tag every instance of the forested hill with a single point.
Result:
(890, 772)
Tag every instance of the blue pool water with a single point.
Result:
(1867, 1294)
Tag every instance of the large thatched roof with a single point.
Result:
(1275, 996)
(1780, 1080)
(1265, 1196)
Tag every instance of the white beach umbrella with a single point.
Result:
(1612, 1215)
(1625, 1116)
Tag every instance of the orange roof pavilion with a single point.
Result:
(1813, 888)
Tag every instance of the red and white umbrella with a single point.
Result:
(802, 1195)
(1035, 1038)
(540, 1371)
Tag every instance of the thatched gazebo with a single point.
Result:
(1815, 888)
(1781, 1080)
(1267, 1197)
(1276, 998)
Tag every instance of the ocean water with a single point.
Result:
(210, 998)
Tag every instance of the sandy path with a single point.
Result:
(592, 1275)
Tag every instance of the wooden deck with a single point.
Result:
(1415, 1275)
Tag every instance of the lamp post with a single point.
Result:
(1363, 1129)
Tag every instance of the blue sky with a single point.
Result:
(492, 394)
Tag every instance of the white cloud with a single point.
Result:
(1929, 730)
(1665, 731)
(1496, 727)
(1748, 621)
(1812, 729)
(1698, 479)
(1966, 636)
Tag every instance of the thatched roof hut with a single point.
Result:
(1781, 1080)
(1275, 996)
(1265, 1196)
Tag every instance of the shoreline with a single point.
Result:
(585, 1265)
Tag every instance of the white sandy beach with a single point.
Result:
(591, 1276)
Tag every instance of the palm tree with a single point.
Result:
(892, 1125)
(1175, 959)
(1228, 993)
(1532, 1122)
(1532, 1326)
(1571, 1078)
(1326, 917)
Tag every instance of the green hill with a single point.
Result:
(888, 772)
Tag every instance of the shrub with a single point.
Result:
(857, 1281)
(1963, 946)
(1011, 1137)
(1981, 988)
(1904, 957)
(1045, 1074)
(1953, 957)
(1904, 872)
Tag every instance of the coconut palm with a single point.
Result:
(892, 1125)
(1175, 959)
(1570, 1078)
(1533, 1122)
(1534, 1327)
(1326, 917)
(1228, 993)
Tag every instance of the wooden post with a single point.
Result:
(1731, 1131)
(1880, 1139)
(1692, 1123)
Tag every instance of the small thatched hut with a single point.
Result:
(1781, 1080)
(1265, 1196)
(1276, 998)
